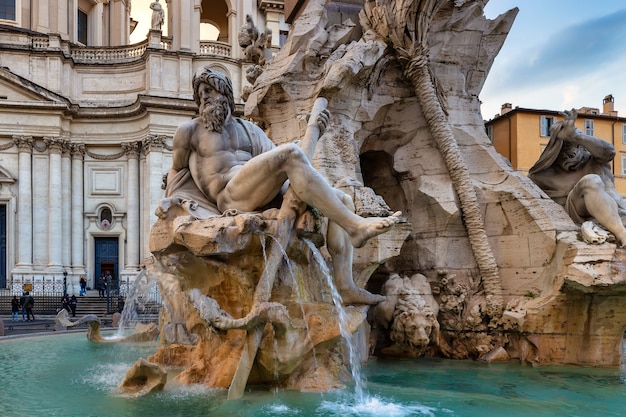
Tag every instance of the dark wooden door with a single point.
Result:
(106, 257)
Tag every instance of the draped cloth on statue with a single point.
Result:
(182, 186)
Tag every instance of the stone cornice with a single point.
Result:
(273, 5)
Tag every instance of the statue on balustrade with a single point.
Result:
(158, 15)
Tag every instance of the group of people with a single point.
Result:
(25, 303)
(70, 304)
(104, 284)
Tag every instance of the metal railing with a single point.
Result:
(48, 291)
(46, 302)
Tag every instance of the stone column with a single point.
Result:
(273, 11)
(78, 261)
(144, 215)
(132, 209)
(41, 192)
(96, 25)
(24, 202)
(235, 50)
(153, 149)
(66, 199)
(181, 14)
(55, 230)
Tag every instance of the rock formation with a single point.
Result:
(505, 263)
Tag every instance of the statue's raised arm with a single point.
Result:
(574, 169)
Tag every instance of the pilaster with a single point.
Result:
(55, 213)
(132, 150)
(78, 260)
(24, 202)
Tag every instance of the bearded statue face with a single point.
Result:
(572, 157)
(214, 109)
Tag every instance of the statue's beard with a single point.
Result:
(213, 113)
(573, 157)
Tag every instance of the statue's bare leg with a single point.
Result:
(589, 196)
(341, 250)
(259, 180)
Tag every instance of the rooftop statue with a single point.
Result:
(158, 15)
(574, 170)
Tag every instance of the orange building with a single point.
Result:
(520, 134)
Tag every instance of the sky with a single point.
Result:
(559, 54)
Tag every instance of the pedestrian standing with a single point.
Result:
(65, 303)
(73, 303)
(30, 304)
(101, 286)
(83, 286)
(15, 309)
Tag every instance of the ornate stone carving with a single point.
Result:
(154, 143)
(78, 150)
(54, 144)
(410, 315)
(132, 149)
(24, 143)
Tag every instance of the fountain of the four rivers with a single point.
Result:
(484, 275)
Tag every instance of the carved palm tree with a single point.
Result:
(405, 25)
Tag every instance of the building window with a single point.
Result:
(624, 134)
(489, 130)
(82, 27)
(546, 123)
(588, 127)
(623, 165)
(282, 37)
(7, 9)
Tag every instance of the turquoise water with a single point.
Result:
(65, 375)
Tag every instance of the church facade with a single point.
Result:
(86, 124)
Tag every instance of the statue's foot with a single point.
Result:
(373, 226)
(360, 296)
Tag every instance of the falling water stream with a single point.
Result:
(353, 356)
(300, 297)
(142, 286)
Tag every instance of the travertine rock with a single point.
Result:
(551, 283)
(143, 378)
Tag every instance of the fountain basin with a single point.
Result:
(67, 375)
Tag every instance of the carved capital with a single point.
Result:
(66, 147)
(77, 150)
(54, 144)
(23, 143)
(154, 143)
(132, 149)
